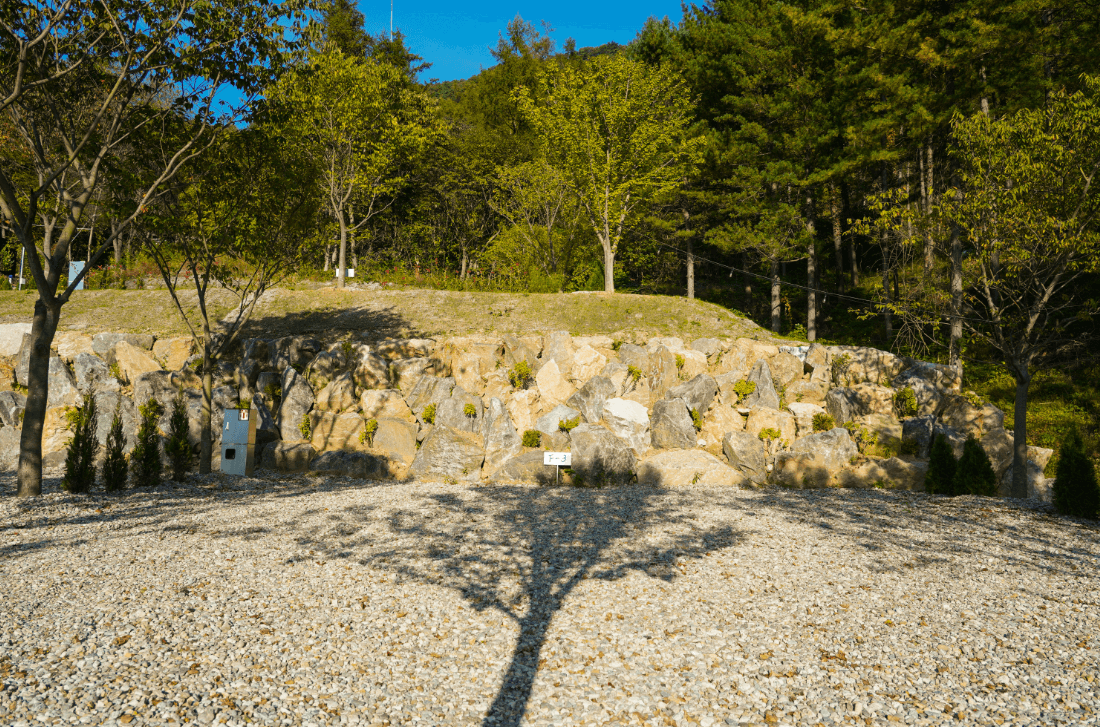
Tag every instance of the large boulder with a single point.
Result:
(893, 473)
(617, 373)
(62, 386)
(954, 437)
(832, 450)
(600, 457)
(786, 369)
(516, 350)
(557, 346)
(428, 390)
(293, 351)
(638, 390)
(132, 361)
(736, 362)
(360, 465)
(799, 470)
(860, 400)
(449, 453)
(173, 353)
(918, 430)
(373, 372)
(745, 453)
(884, 430)
(636, 356)
(672, 343)
(105, 404)
(970, 416)
(695, 364)
(554, 388)
(928, 396)
(526, 468)
(11, 337)
(9, 448)
(671, 426)
(858, 364)
(495, 383)
(404, 373)
(267, 429)
(394, 349)
(71, 343)
(502, 441)
(1038, 486)
(92, 374)
(717, 423)
(523, 406)
(707, 346)
(338, 394)
(804, 414)
(12, 406)
(466, 370)
(102, 343)
(288, 456)
(684, 468)
(629, 421)
(55, 437)
(761, 418)
(698, 393)
(388, 403)
(588, 362)
(333, 431)
(297, 402)
(945, 378)
(548, 423)
(461, 410)
(395, 439)
(998, 445)
(589, 399)
(663, 373)
(764, 394)
(324, 367)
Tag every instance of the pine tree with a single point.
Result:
(178, 446)
(1075, 488)
(941, 468)
(114, 464)
(974, 474)
(80, 461)
(145, 462)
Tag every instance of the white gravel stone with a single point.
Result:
(314, 601)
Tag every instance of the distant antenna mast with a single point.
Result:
(391, 19)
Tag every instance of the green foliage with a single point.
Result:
(274, 396)
(679, 362)
(520, 376)
(908, 447)
(470, 411)
(974, 473)
(697, 420)
(769, 434)
(1076, 491)
(532, 438)
(245, 403)
(823, 422)
(940, 478)
(145, 461)
(305, 427)
(80, 460)
(178, 445)
(905, 402)
(616, 345)
(744, 388)
(114, 468)
(839, 369)
(428, 415)
(370, 428)
(115, 371)
(634, 373)
(568, 425)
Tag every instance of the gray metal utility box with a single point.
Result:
(239, 441)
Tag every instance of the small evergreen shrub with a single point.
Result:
(697, 420)
(905, 403)
(823, 422)
(145, 463)
(470, 411)
(1076, 491)
(568, 425)
(769, 433)
(113, 473)
(429, 414)
(520, 376)
(839, 369)
(974, 473)
(80, 461)
(616, 345)
(532, 438)
(178, 446)
(743, 388)
(274, 395)
(370, 428)
(679, 362)
(305, 427)
(940, 478)
(634, 373)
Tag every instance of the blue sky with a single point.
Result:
(455, 36)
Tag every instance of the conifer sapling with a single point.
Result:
(940, 478)
(114, 463)
(80, 460)
(178, 446)
(1076, 491)
(145, 462)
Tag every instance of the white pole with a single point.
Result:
(391, 19)
(22, 257)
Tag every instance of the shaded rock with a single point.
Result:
(55, 437)
(953, 436)
(451, 412)
(698, 393)
(943, 377)
(288, 456)
(707, 346)
(293, 351)
(427, 391)
(919, 431)
(799, 470)
(359, 465)
(804, 414)
(745, 453)
(663, 374)
(333, 431)
(91, 374)
(526, 468)
(1038, 487)
(761, 418)
(684, 468)
(590, 398)
(394, 349)
(396, 440)
(863, 364)
(556, 442)
(388, 403)
(404, 374)
(11, 337)
(549, 423)
(929, 397)
(257, 349)
(860, 400)
(324, 367)
(22, 368)
(960, 413)
(102, 343)
(588, 362)
(671, 426)
(449, 453)
(553, 387)
(62, 385)
(296, 403)
(267, 430)
(635, 356)
(616, 373)
(832, 450)
(997, 444)
(105, 403)
(173, 353)
(12, 406)
(338, 395)
(132, 361)
(886, 429)
(893, 473)
(372, 372)
(269, 388)
(785, 369)
(600, 457)
(248, 373)
(502, 441)
(629, 421)
(764, 394)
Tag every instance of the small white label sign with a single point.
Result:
(562, 459)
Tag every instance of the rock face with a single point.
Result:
(635, 356)
(761, 418)
(745, 453)
(297, 403)
(105, 403)
(333, 431)
(663, 372)
(554, 388)
(589, 399)
(919, 431)
(929, 397)
(12, 406)
(557, 346)
(697, 393)
(684, 468)
(961, 414)
(526, 467)
(338, 395)
(549, 423)
(92, 374)
(173, 353)
(396, 440)
(671, 426)
(394, 349)
(403, 374)
(449, 453)
(11, 337)
(502, 441)
(764, 394)
(293, 351)
(323, 369)
(453, 411)
(102, 343)
(601, 457)
(343, 464)
(804, 414)
(379, 403)
(523, 406)
(720, 420)
(132, 361)
(372, 372)
(428, 390)
(893, 473)
(832, 450)
(859, 400)
(588, 362)
(786, 369)
(629, 421)
(62, 385)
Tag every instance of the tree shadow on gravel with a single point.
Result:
(521, 551)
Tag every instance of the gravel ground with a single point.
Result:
(308, 601)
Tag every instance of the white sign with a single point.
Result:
(561, 459)
(348, 272)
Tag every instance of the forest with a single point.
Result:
(917, 177)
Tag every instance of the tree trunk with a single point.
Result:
(775, 296)
(328, 256)
(811, 297)
(117, 243)
(1019, 434)
(342, 270)
(834, 210)
(954, 348)
(747, 280)
(354, 247)
(887, 313)
(690, 271)
(43, 328)
(608, 268)
(462, 276)
(206, 448)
